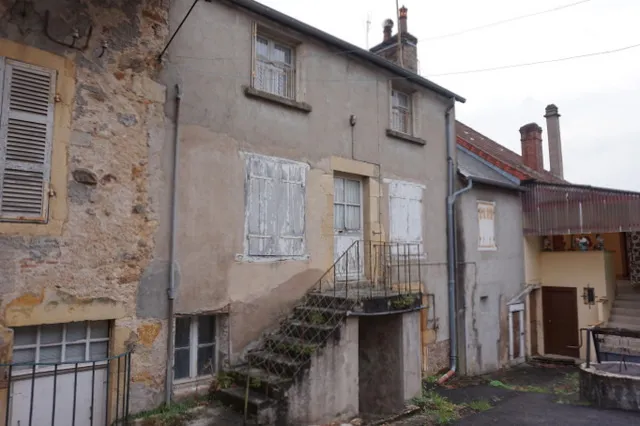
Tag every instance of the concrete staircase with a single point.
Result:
(625, 313)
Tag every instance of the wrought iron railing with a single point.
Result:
(366, 271)
(84, 393)
(612, 344)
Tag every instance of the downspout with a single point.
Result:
(171, 291)
(451, 253)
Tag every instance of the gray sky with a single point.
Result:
(598, 97)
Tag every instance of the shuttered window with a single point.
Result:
(275, 206)
(26, 127)
(486, 226)
(405, 200)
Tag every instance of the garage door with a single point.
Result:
(59, 374)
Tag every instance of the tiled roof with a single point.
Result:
(500, 156)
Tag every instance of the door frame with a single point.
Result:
(519, 310)
(547, 291)
(360, 235)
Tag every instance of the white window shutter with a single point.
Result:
(291, 201)
(406, 214)
(486, 225)
(262, 207)
(26, 133)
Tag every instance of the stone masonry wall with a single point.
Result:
(633, 250)
(92, 269)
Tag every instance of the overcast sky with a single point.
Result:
(598, 97)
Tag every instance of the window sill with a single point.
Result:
(250, 92)
(488, 248)
(268, 259)
(405, 137)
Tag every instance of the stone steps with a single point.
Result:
(262, 409)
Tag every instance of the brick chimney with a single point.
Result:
(555, 143)
(531, 139)
(389, 49)
(402, 20)
(387, 26)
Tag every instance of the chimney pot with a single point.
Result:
(555, 142)
(402, 20)
(531, 139)
(387, 26)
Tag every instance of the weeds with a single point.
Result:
(480, 405)
(403, 302)
(527, 388)
(439, 408)
(172, 415)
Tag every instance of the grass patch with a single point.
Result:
(527, 388)
(480, 405)
(438, 408)
(501, 385)
(569, 385)
(172, 415)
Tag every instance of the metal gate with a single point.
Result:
(88, 393)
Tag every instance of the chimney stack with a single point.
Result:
(555, 143)
(386, 31)
(531, 139)
(402, 20)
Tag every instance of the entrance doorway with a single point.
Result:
(560, 316)
(347, 224)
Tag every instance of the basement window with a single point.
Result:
(60, 343)
(195, 344)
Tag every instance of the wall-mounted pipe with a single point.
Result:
(451, 240)
(171, 291)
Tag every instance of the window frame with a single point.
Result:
(63, 343)
(492, 205)
(194, 346)
(346, 204)
(289, 70)
(407, 111)
(249, 203)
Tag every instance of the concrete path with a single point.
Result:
(526, 409)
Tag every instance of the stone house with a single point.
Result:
(578, 249)
(298, 156)
(81, 124)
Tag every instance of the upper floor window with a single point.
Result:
(401, 113)
(26, 128)
(275, 207)
(486, 226)
(274, 67)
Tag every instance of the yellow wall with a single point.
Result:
(580, 269)
(532, 249)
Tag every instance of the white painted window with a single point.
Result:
(274, 67)
(401, 120)
(347, 205)
(52, 343)
(486, 226)
(405, 205)
(26, 129)
(195, 347)
(275, 207)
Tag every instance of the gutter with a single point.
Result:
(451, 249)
(171, 291)
(342, 45)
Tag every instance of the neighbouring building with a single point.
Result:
(298, 151)
(81, 132)
(580, 256)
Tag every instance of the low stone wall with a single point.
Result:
(606, 385)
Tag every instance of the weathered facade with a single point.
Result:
(75, 248)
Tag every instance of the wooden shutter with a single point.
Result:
(291, 203)
(486, 225)
(26, 128)
(262, 207)
(406, 214)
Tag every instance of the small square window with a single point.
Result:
(401, 114)
(195, 344)
(274, 68)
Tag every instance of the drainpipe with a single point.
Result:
(171, 291)
(451, 253)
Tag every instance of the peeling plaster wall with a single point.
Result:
(211, 58)
(488, 279)
(111, 122)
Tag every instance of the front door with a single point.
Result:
(560, 316)
(347, 223)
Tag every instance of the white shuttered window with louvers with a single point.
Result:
(26, 130)
(275, 215)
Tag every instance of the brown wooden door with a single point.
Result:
(560, 316)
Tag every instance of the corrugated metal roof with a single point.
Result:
(471, 166)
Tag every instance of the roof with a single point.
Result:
(475, 168)
(499, 155)
(342, 45)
